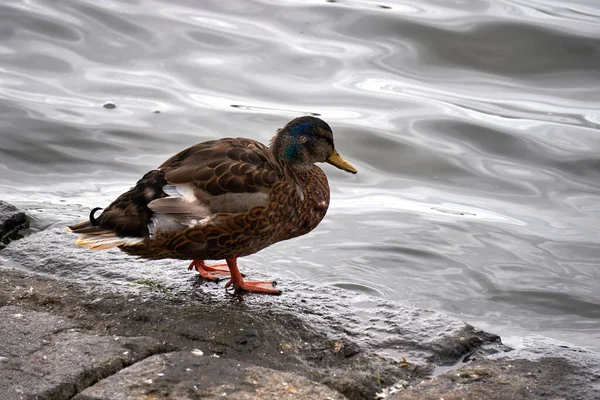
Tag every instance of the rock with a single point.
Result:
(191, 375)
(66, 348)
(322, 333)
(517, 379)
(50, 357)
(355, 345)
(12, 220)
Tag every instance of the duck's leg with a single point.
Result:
(239, 283)
(205, 270)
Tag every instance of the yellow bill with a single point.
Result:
(338, 161)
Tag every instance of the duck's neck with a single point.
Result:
(291, 152)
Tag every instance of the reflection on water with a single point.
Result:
(474, 126)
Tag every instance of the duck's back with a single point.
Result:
(231, 165)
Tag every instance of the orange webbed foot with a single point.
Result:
(266, 287)
(239, 284)
(205, 270)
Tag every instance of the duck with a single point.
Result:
(221, 200)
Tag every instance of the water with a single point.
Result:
(474, 126)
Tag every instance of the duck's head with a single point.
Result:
(305, 141)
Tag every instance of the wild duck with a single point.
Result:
(223, 199)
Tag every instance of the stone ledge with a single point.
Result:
(50, 357)
(193, 375)
(550, 378)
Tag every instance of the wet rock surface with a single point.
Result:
(191, 374)
(12, 220)
(48, 356)
(262, 335)
(341, 318)
(109, 331)
(546, 378)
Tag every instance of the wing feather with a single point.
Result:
(223, 173)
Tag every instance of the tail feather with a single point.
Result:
(106, 241)
(97, 238)
(125, 221)
(77, 227)
(86, 228)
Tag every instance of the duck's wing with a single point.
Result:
(220, 176)
(224, 166)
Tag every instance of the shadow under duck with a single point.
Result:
(223, 199)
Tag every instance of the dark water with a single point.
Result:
(474, 126)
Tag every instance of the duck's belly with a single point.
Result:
(233, 235)
(218, 244)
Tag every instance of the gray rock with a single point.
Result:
(360, 321)
(47, 356)
(267, 347)
(12, 220)
(515, 379)
(325, 334)
(192, 375)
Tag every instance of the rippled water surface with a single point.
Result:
(474, 126)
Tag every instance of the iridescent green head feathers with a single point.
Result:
(305, 141)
